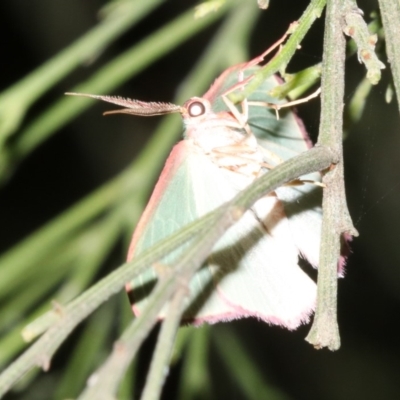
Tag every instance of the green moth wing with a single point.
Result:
(252, 271)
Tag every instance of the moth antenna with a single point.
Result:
(134, 107)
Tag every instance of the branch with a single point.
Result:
(336, 219)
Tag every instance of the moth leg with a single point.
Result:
(242, 117)
(299, 182)
(277, 107)
(239, 158)
(234, 149)
(244, 153)
(270, 155)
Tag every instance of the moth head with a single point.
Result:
(195, 110)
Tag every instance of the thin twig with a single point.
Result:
(280, 61)
(162, 354)
(356, 27)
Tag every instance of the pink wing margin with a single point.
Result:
(173, 162)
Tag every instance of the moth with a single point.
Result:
(254, 269)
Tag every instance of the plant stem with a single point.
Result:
(161, 357)
(336, 220)
(280, 61)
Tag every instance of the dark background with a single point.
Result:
(93, 149)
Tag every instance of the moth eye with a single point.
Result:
(196, 108)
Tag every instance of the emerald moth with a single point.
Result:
(254, 268)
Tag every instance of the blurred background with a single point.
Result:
(86, 150)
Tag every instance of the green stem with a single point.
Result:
(162, 354)
(280, 61)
